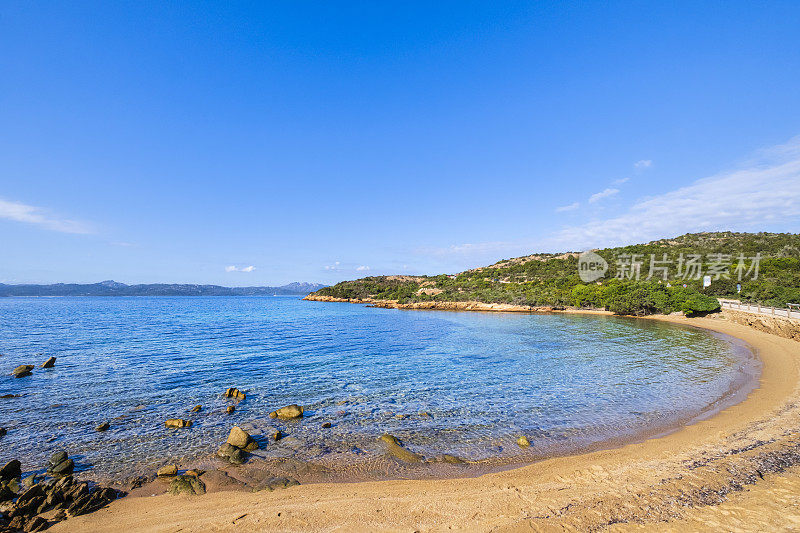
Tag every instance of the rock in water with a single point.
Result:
(103, 427)
(241, 439)
(452, 459)
(187, 485)
(226, 450)
(197, 408)
(236, 394)
(277, 435)
(390, 439)
(22, 371)
(167, 471)
(230, 409)
(178, 423)
(232, 454)
(50, 363)
(237, 456)
(11, 470)
(395, 449)
(289, 412)
(60, 465)
(3, 431)
(326, 425)
(523, 441)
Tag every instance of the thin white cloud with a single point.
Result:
(334, 266)
(362, 268)
(767, 190)
(570, 207)
(620, 181)
(602, 194)
(37, 216)
(233, 268)
(643, 164)
(469, 249)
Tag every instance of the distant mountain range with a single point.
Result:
(113, 288)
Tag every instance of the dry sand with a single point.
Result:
(734, 471)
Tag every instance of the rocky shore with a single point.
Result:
(451, 306)
(36, 502)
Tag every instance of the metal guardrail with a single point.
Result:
(791, 311)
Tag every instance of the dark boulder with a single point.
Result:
(11, 470)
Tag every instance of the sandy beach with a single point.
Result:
(734, 471)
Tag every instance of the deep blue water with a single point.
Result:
(566, 381)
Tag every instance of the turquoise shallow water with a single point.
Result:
(567, 381)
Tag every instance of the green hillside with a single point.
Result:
(553, 279)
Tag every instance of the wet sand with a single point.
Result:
(720, 470)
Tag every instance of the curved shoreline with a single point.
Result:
(657, 479)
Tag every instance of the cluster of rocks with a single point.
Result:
(36, 503)
(180, 423)
(23, 371)
(235, 450)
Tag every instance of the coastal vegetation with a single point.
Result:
(662, 276)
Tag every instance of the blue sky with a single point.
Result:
(263, 143)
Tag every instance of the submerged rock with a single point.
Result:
(167, 471)
(396, 450)
(187, 485)
(451, 459)
(22, 371)
(177, 423)
(523, 442)
(278, 435)
(50, 363)
(276, 483)
(289, 412)
(232, 454)
(103, 427)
